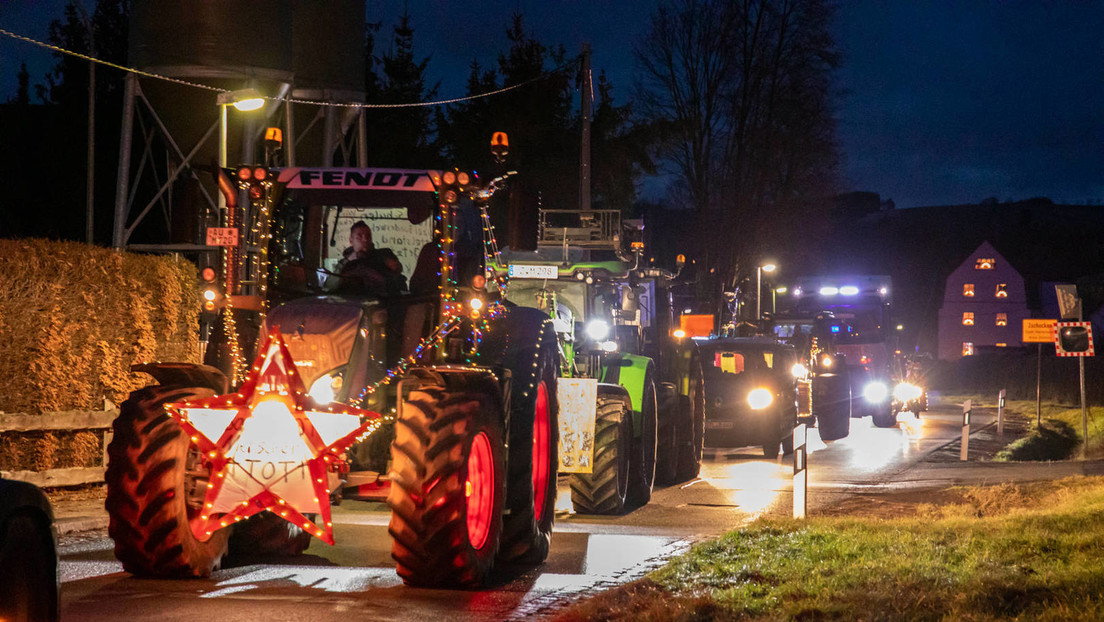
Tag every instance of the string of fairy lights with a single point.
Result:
(453, 312)
(354, 105)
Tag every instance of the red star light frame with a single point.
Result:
(269, 446)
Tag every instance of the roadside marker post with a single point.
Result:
(967, 406)
(801, 473)
(1000, 414)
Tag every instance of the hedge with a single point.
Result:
(74, 318)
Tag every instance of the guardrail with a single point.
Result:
(61, 420)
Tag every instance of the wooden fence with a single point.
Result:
(61, 420)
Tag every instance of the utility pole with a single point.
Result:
(587, 89)
(90, 182)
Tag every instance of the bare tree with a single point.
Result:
(743, 89)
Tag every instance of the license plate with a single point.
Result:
(530, 271)
(720, 425)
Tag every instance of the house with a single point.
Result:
(984, 304)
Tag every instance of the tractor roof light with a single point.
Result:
(449, 177)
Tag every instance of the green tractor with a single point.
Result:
(433, 396)
(634, 414)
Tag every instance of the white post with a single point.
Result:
(1000, 414)
(966, 408)
(758, 291)
(801, 473)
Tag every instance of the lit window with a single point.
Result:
(968, 289)
(1002, 345)
(968, 318)
(967, 348)
(1002, 290)
(1002, 319)
(985, 264)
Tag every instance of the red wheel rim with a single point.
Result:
(479, 490)
(542, 435)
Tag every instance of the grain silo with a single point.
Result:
(190, 50)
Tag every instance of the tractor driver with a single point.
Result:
(367, 270)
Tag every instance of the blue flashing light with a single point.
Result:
(849, 290)
(835, 329)
(829, 291)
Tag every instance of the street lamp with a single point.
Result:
(767, 267)
(243, 100)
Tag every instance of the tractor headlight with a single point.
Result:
(598, 330)
(906, 392)
(759, 398)
(799, 371)
(325, 388)
(875, 392)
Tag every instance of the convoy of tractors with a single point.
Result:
(457, 381)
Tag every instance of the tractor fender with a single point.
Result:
(519, 327)
(186, 375)
(685, 353)
(630, 371)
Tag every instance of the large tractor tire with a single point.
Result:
(693, 404)
(642, 473)
(267, 534)
(154, 480)
(603, 490)
(667, 438)
(447, 485)
(29, 589)
(884, 417)
(534, 443)
(832, 406)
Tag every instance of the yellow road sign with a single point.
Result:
(1038, 331)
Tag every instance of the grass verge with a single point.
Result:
(1026, 551)
(1055, 429)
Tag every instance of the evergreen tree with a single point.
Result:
(401, 137)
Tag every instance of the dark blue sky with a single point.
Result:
(941, 101)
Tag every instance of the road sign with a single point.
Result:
(1069, 305)
(1076, 335)
(222, 236)
(1038, 331)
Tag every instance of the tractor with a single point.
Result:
(434, 395)
(636, 414)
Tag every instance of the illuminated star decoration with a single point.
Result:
(269, 446)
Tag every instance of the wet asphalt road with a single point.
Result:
(356, 580)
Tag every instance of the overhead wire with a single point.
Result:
(147, 74)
